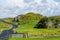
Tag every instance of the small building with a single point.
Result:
(16, 19)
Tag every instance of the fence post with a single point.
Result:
(26, 35)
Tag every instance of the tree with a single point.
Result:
(42, 23)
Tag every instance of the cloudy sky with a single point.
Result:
(12, 8)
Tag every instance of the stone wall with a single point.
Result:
(19, 35)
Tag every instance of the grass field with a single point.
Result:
(35, 38)
(33, 31)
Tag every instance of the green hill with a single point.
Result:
(28, 21)
(56, 17)
(29, 18)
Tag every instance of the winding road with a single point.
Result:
(7, 33)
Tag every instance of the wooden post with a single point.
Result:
(25, 35)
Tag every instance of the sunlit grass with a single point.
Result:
(35, 38)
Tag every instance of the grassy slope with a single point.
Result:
(58, 17)
(29, 27)
(43, 32)
(4, 26)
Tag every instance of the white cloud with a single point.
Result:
(16, 7)
(38, 1)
